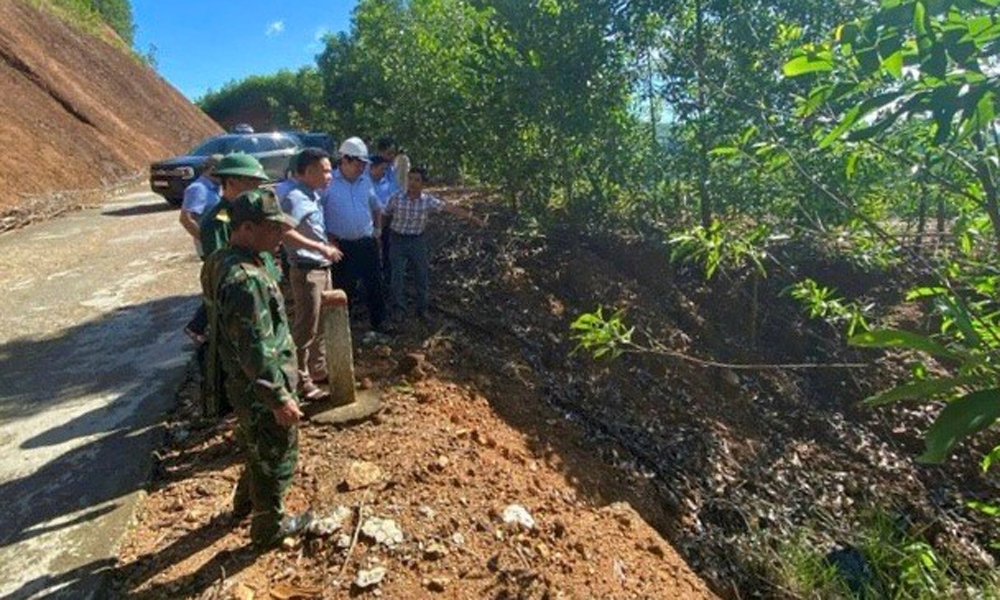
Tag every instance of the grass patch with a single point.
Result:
(884, 556)
(82, 16)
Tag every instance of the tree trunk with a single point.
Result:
(921, 215)
(985, 176)
(649, 95)
(940, 213)
(705, 201)
(989, 199)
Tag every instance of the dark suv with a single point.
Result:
(316, 139)
(168, 178)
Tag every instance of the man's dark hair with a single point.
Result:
(422, 171)
(307, 157)
(386, 142)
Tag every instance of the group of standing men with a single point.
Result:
(328, 217)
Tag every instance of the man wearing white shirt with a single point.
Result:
(353, 222)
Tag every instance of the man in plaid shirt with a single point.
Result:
(407, 244)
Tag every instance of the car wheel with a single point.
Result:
(175, 202)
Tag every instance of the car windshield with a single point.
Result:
(251, 144)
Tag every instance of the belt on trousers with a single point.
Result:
(308, 265)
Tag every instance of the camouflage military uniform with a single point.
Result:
(252, 363)
(214, 228)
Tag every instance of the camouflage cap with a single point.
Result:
(257, 206)
(239, 164)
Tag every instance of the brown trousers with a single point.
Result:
(307, 288)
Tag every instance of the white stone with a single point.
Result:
(369, 577)
(382, 531)
(515, 514)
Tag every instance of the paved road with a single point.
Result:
(91, 351)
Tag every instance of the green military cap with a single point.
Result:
(239, 164)
(258, 206)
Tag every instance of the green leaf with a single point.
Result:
(895, 338)
(962, 319)
(800, 65)
(925, 292)
(961, 418)
(991, 457)
(875, 129)
(991, 510)
(849, 119)
(724, 151)
(918, 390)
(852, 164)
(893, 64)
(858, 111)
(920, 18)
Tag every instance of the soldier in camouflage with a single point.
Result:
(237, 173)
(250, 342)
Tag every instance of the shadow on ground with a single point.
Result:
(140, 209)
(122, 371)
(70, 584)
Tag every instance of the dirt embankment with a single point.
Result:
(78, 112)
(636, 471)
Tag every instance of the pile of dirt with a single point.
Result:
(618, 462)
(79, 112)
(438, 495)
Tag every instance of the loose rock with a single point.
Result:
(326, 526)
(382, 531)
(367, 578)
(435, 550)
(362, 474)
(517, 515)
(440, 464)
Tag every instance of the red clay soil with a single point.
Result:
(79, 112)
(458, 444)
(451, 466)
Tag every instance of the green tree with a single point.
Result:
(284, 100)
(118, 15)
(920, 75)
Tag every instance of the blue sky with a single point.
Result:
(203, 45)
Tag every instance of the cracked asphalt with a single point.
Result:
(91, 353)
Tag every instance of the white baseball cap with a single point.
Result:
(355, 148)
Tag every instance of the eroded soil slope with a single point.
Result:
(620, 463)
(79, 112)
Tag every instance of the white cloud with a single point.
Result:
(275, 28)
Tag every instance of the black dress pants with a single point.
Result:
(361, 262)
